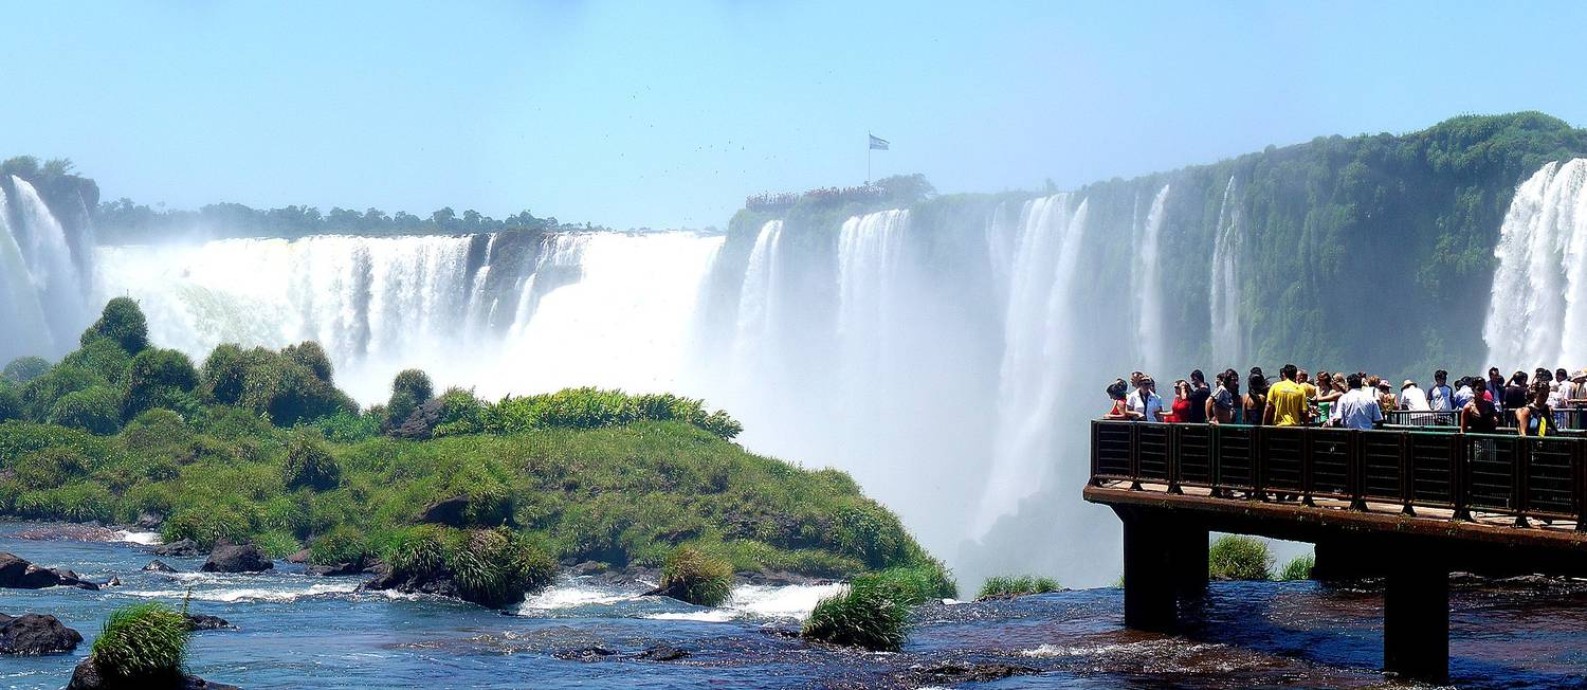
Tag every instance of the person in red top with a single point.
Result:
(1121, 409)
(1181, 405)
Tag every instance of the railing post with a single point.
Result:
(1215, 460)
(1308, 457)
(1578, 492)
(1135, 456)
(1174, 433)
(1096, 452)
(1520, 468)
(1356, 478)
(1459, 481)
(1407, 475)
(1259, 455)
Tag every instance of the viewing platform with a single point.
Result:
(1409, 505)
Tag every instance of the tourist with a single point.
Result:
(1360, 408)
(1386, 398)
(1145, 401)
(1515, 395)
(1329, 389)
(1286, 400)
(1556, 401)
(1441, 398)
(1220, 406)
(1181, 402)
(1578, 398)
(1256, 398)
(1533, 418)
(1466, 391)
(1413, 398)
(1121, 408)
(1199, 393)
(1304, 379)
(1495, 386)
(1478, 415)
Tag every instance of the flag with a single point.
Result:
(878, 143)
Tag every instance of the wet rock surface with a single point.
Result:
(237, 558)
(18, 573)
(35, 634)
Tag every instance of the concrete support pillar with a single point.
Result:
(1416, 617)
(1150, 582)
(1189, 560)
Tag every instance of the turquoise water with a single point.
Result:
(296, 630)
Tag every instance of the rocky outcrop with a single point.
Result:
(70, 532)
(158, 566)
(237, 558)
(449, 512)
(88, 677)
(183, 547)
(34, 634)
(197, 622)
(18, 573)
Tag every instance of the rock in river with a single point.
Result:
(18, 573)
(33, 634)
(237, 558)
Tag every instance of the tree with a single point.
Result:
(25, 369)
(121, 321)
(311, 355)
(158, 378)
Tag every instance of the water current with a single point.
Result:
(294, 630)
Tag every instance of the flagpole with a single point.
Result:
(868, 149)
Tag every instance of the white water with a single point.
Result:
(1538, 313)
(755, 336)
(19, 297)
(1037, 347)
(1225, 287)
(1148, 287)
(49, 266)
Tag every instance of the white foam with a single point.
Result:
(563, 597)
(235, 594)
(144, 538)
(704, 616)
(792, 601)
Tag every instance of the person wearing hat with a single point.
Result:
(1575, 398)
(1145, 403)
(1386, 397)
(1414, 399)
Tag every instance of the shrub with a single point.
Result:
(1299, 568)
(10, 402)
(105, 358)
(158, 379)
(96, 410)
(1005, 587)
(309, 354)
(225, 374)
(50, 467)
(145, 642)
(310, 464)
(410, 389)
(40, 395)
(25, 369)
(348, 427)
(865, 615)
(692, 576)
(342, 544)
(123, 323)
(460, 413)
(1234, 557)
(418, 553)
(495, 568)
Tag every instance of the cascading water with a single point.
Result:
(1538, 313)
(1148, 286)
(27, 332)
(1224, 287)
(51, 267)
(755, 329)
(868, 248)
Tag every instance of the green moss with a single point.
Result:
(142, 642)
(1003, 587)
(1234, 557)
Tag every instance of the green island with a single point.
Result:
(259, 446)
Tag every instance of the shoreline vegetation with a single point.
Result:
(470, 498)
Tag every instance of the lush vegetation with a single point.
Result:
(690, 575)
(1005, 587)
(1299, 568)
(869, 613)
(259, 445)
(1234, 557)
(142, 643)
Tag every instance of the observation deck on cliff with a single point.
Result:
(1406, 505)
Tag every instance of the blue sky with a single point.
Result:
(667, 114)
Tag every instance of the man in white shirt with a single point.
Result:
(1359, 408)
(1440, 398)
(1413, 398)
(1146, 401)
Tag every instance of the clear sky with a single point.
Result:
(666, 114)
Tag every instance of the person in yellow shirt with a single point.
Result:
(1286, 400)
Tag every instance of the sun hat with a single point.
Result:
(1408, 383)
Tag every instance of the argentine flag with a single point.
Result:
(878, 143)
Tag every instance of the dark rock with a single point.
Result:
(18, 573)
(449, 512)
(589, 568)
(302, 556)
(149, 520)
(70, 532)
(237, 558)
(584, 654)
(184, 547)
(953, 673)
(33, 634)
(337, 570)
(159, 566)
(87, 677)
(780, 579)
(662, 652)
(438, 584)
(196, 622)
(112, 582)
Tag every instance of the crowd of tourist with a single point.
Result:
(1534, 404)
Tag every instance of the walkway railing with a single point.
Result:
(1523, 477)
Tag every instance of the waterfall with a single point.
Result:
(51, 268)
(868, 249)
(1224, 286)
(755, 335)
(1038, 351)
(26, 331)
(1148, 286)
(1538, 312)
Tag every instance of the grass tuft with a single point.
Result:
(690, 575)
(1299, 568)
(1006, 587)
(868, 614)
(143, 641)
(1234, 557)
